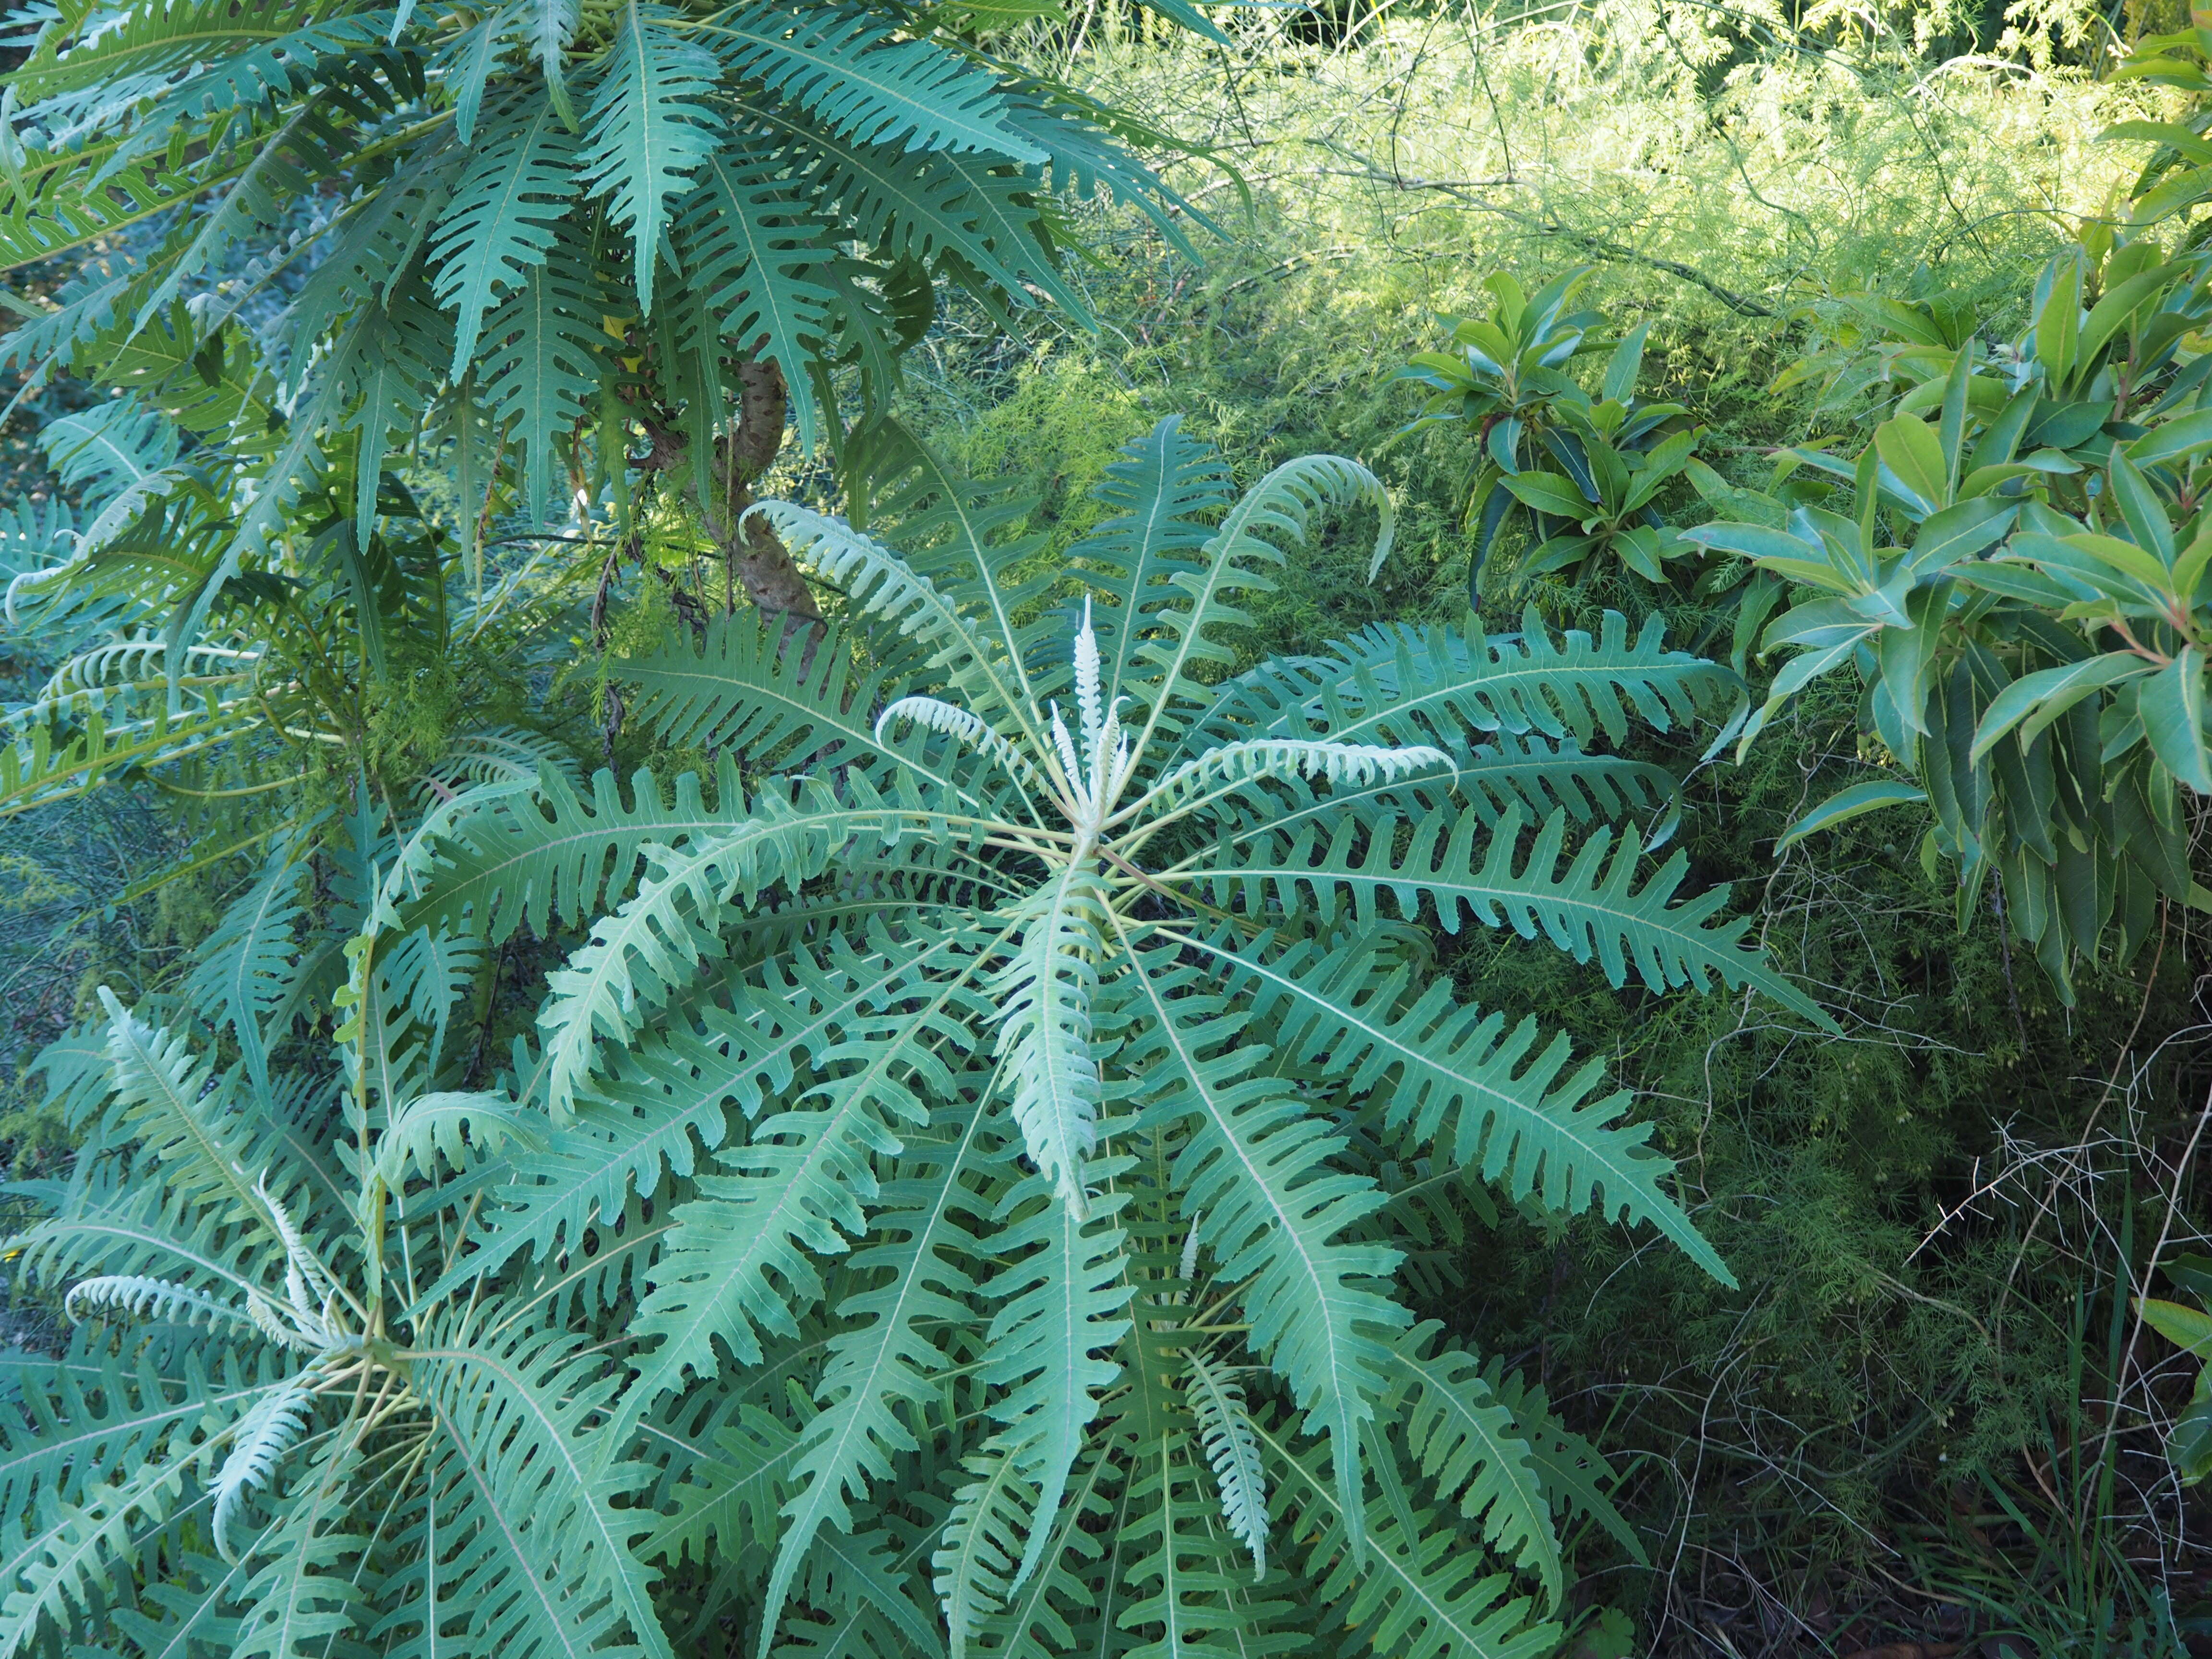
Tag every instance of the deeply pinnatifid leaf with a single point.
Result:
(95, 1416)
(43, 768)
(1255, 1179)
(786, 162)
(585, 1173)
(868, 1583)
(1222, 769)
(75, 1070)
(151, 44)
(877, 582)
(1459, 1079)
(409, 1311)
(1168, 487)
(540, 1559)
(742, 689)
(1400, 684)
(968, 732)
(457, 1125)
(108, 1225)
(1062, 1310)
(1045, 994)
(650, 127)
(1419, 1593)
(651, 947)
(1577, 1478)
(1466, 1445)
(880, 1372)
(1276, 512)
(200, 1132)
(118, 457)
(731, 1496)
(1187, 1594)
(759, 256)
(738, 1264)
(848, 67)
(975, 1565)
(141, 1296)
(246, 965)
(306, 1595)
(683, 1091)
(541, 363)
(69, 1556)
(1593, 908)
(525, 861)
(262, 1437)
(976, 540)
(1041, 1618)
(973, 218)
(424, 978)
(500, 225)
(1489, 779)
(1232, 1451)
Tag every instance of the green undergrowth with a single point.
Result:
(1359, 192)
(1914, 1209)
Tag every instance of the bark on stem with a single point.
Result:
(754, 554)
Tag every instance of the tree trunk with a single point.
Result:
(753, 554)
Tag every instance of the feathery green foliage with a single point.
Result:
(883, 1440)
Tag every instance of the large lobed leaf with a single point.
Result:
(1590, 904)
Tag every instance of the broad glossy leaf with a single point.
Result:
(2032, 703)
(2172, 704)
(2184, 439)
(1550, 492)
(2058, 317)
(2186, 1327)
(1908, 448)
(1848, 804)
(2141, 508)
(1958, 533)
